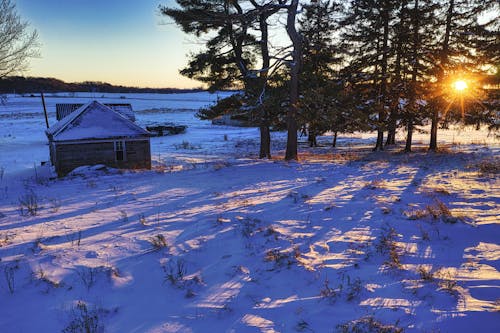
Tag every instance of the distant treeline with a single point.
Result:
(25, 85)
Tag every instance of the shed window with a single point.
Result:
(119, 150)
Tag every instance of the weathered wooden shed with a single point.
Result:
(96, 134)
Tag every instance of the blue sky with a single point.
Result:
(117, 41)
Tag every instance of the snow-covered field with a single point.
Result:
(214, 240)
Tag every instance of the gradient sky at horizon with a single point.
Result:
(123, 42)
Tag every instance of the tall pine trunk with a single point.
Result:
(311, 138)
(265, 141)
(434, 128)
(383, 82)
(391, 130)
(334, 142)
(409, 135)
(393, 117)
(265, 135)
(414, 74)
(291, 121)
(444, 60)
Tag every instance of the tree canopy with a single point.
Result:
(349, 65)
(17, 43)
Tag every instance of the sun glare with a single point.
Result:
(460, 85)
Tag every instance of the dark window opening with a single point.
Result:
(119, 150)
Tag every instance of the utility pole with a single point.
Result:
(45, 111)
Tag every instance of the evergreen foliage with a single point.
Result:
(353, 65)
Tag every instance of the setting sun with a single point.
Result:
(460, 85)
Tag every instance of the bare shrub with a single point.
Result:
(386, 210)
(436, 210)
(350, 288)
(282, 258)
(302, 326)
(185, 145)
(142, 219)
(367, 325)
(441, 190)
(85, 319)
(394, 258)
(158, 242)
(416, 214)
(387, 246)
(340, 157)
(74, 238)
(297, 197)
(329, 293)
(221, 165)
(9, 273)
(5, 239)
(248, 226)
(88, 275)
(375, 184)
(489, 166)
(124, 216)
(55, 204)
(175, 272)
(41, 276)
(18, 44)
(424, 233)
(449, 286)
(28, 204)
(271, 232)
(190, 293)
(353, 288)
(447, 281)
(425, 273)
(330, 207)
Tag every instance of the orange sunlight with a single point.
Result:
(460, 85)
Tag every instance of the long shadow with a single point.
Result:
(110, 201)
(297, 188)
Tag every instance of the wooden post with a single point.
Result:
(45, 111)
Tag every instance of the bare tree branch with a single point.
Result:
(17, 44)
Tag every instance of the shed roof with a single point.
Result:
(94, 121)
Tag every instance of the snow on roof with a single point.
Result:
(94, 121)
(64, 109)
(124, 109)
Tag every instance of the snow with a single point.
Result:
(94, 121)
(213, 239)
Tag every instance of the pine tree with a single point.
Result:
(420, 45)
(227, 58)
(368, 49)
(398, 71)
(318, 81)
(263, 12)
(295, 67)
(465, 46)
